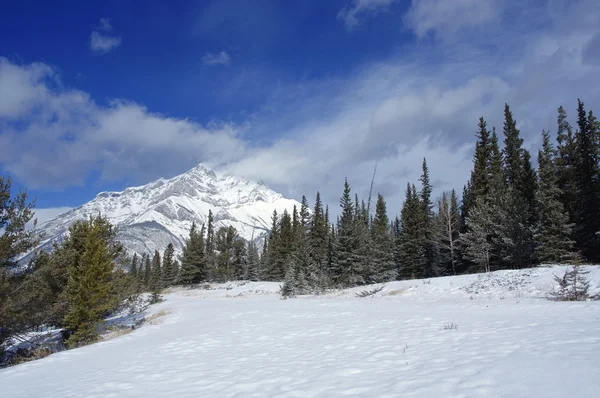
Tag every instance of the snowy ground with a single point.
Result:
(243, 341)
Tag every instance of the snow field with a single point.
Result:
(242, 340)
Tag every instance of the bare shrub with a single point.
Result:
(450, 326)
(372, 292)
(572, 286)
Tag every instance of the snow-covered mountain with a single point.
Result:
(148, 217)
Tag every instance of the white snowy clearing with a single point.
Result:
(487, 335)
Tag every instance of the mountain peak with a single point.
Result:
(151, 216)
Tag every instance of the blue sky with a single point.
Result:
(98, 96)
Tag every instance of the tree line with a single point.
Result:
(510, 216)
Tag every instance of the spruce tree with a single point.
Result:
(496, 181)
(156, 280)
(89, 286)
(426, 218)
(382, 244)
(554, 244)
(169, 271)
(253, 273)
(209, 252)
(134, 267)
(225, 259)
(565, 165)
(480, 230)
(480, 184)
(514, 214)
(305, 219)
(587, 177)
(346, 270)
(412, 256)
(446, 232)
(240, 259)
(318, 235)
(193, 260)
(147, 272)
(15, 213)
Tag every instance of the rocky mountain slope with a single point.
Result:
(150, 216)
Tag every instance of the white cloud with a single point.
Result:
(102, 40)
(447, 17)
(353, 13)
(221, 58)
(53, 137)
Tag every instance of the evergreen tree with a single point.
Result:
(225, 259)
(296, 227)
(147, 271)
(480, 184)
(346, 270)
(477, 239)
(155, 282)
(305, 219)
(15, 213)
(134, 266)
(565, 165)
(89, 285)
(381, 238)
(240, 259)
(209, 252)
(587, 177)
(553, 233)
(281, 248)
(529, 189)
(253, 273)
(412, 256)
(169, 268)
(426, 217)
(193, 260)
(496, 181)
(446, 232)
(263, 269)
(318, 236)
(514, 243)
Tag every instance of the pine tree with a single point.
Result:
(240, 259)
(15, 213)
(193, 260)
(305, 219)
(263, 269)
(553, 232)
(346, 271)
(446, 232)
(134, 267)
(318, 236)
(89, 286)
(209, 252)
(587, 177)
(383, 254)
(412, 256)
(156, 280)
(477, 239)
(514, 243)
(565, 165)
(225, 259)
(253, 273)
(147, 272)
(281, 248)
(480, 184)
(169, 271)
(426, 217)
(496, 181)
